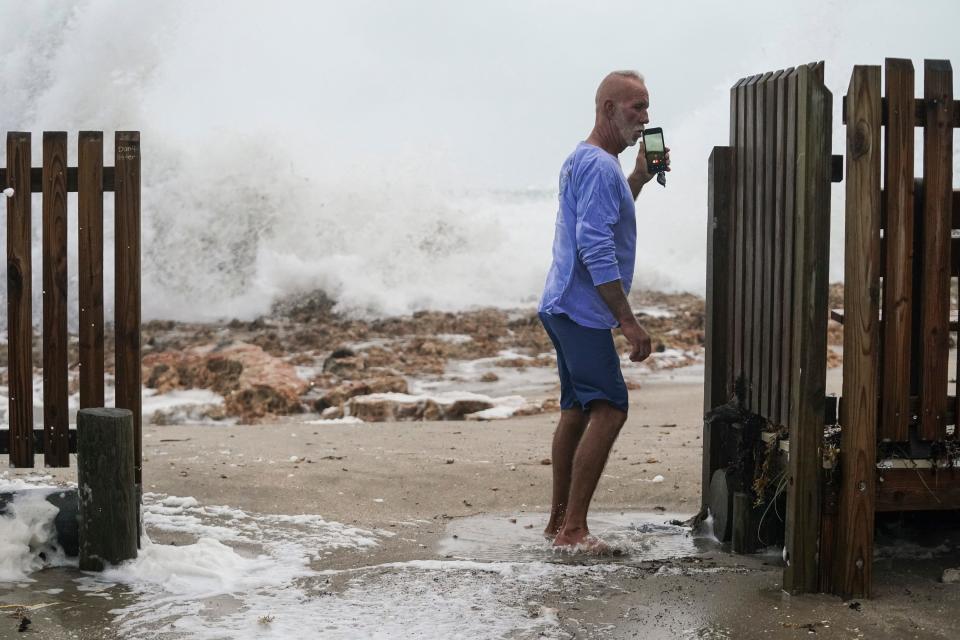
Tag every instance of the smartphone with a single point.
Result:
(655, 149)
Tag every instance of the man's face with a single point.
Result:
(630, 115)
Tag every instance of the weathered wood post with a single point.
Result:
(861, 338)
(105, 478)
(811, 255)
(718, 321)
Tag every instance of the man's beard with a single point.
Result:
(626, 130)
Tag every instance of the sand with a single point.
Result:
(427, 480)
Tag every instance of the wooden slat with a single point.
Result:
(127, 261)
(19, 300)
(920, 112)
(916, 337)
(769, 257)
(853, 571)
(740, 302)
(56, 448)
(918, 489)
(73, 180)
(761, 249)
(90, 266)
(757, 381)
(898, 261)
(935, 305)
(779, 366)
(789, 236)
(750, 257)
(812, 242)
(718, 313)
(740, 154)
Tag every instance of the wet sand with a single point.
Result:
(462, 492)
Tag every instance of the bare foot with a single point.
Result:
(580, 541)
(551, 531)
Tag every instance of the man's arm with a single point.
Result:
(636, 184)
(612, 294)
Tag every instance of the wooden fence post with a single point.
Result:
(109, 512)
(858, 447)
(56, 420)
(718, 327)
(90, 266)
(127, 266)
(19, 301)
(937, 202)
(812, 244)
(898, 235)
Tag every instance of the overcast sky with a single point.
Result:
(503, 89)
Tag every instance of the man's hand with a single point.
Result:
(641, 174)
(639, 339)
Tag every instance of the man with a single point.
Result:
(585, 296)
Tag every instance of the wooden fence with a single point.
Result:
(900, 259)
(768, 250)
(767, 281)
(89, 179)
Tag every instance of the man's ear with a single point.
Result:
(607, 108)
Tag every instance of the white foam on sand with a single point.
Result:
(27, 535)
(278, 591)
(181, 406)
(244, 575)
(343, 420)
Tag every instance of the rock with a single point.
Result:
(254, 384)
(338, 395)
(951, 576)
(371, 409)
(347, 367)
(460, 408)
(188, 413)
(489, 376)
(332, 413)
(388, 384)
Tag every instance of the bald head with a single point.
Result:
(619, 87)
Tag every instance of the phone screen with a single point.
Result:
(654, 149)
(653, 143)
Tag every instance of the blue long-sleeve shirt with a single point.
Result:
(595, 238)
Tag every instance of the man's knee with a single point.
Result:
(610, 414)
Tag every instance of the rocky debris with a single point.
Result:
(951, 576)
(189, 413)
(520, 362)
(384, 407)
(338, 395)
(254, 384)
(343, 357)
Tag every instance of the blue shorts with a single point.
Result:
(588, 364)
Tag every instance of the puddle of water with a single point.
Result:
(638, 536)
(237, 575)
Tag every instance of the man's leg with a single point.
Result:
(565, 440)
(588, 463)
